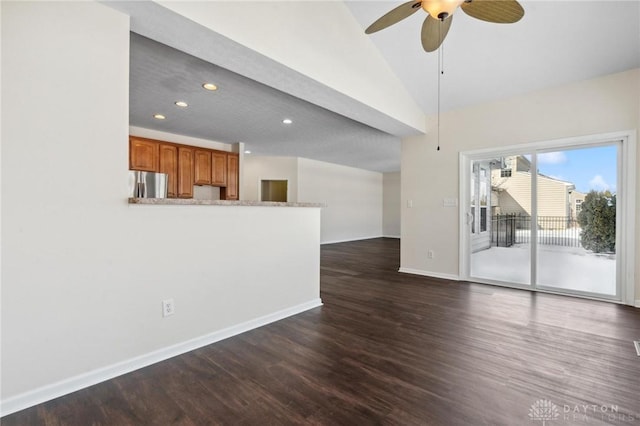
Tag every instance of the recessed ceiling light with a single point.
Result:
(210, 86)
(159, 116)
(247, 152)
(181, 104)
(287, 121)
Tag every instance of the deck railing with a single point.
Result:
(510, 229)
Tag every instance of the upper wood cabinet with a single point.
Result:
(218, 168)
(202, 167)
(233, 172)
(186, 166)
(143, 154)
(169, 165)
(185, 172)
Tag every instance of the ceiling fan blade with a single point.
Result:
(498, 11)
(396, 15)
(433, 32)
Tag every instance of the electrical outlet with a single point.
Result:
(168, 307)
(430, 254)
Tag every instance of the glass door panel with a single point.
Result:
(500, 220)
(576, 220)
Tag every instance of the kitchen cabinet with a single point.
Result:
(218, 168)
(185, 172)
(168, 163)
(186, 166)
(143, 154)
(233, 172)
(202, 167)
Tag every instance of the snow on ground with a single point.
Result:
(571, 268)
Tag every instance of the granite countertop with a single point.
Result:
(193, 202)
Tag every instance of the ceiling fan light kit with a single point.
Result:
(440, 13)
(440, 9)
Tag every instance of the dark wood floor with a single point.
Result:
(388, 348)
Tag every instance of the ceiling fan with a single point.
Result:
(440, 15)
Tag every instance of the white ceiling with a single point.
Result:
(555, 43)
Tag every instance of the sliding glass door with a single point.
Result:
(546, 219)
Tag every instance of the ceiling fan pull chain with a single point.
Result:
(441, 52)
(440, 72)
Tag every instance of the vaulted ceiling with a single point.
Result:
(557, 42)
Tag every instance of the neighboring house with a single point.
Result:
(557, 199)
(503, 186)
(576, 198)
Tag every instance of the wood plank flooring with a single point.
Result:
(388, 348)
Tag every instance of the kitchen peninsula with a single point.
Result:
(83, 283)
(193, 202)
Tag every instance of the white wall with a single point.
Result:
(602, 105)
(83, 272)
(391, 204)
(257, 168)
(353, 199)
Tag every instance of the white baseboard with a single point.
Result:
(64, 387)
(429, 274)
(350, 239)
(638, 303)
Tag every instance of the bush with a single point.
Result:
(598, 222)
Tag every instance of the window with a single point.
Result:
(473, 202)
(578, 206)
(479, 201)
(505, 173)
(484, 198)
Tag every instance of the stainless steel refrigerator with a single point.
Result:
(147, 184)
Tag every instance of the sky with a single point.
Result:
(587, 168)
